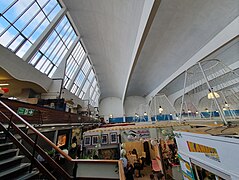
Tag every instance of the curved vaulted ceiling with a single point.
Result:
(108, 29)
(112, 31)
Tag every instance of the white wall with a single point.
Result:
(132, 103)
(21, 70)
(67, 95)
(111, 105)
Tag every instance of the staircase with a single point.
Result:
(11, 165)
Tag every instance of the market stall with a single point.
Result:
(205, 156)
(146, 144)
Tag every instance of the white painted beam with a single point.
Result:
(148, 4)
(21, 70)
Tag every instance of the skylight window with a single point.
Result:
(22, 22)
(86, 86)
(86, 66)
(91, 75)
(54, 48)
(73, 63)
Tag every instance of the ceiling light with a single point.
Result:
(197, 112)
(189, 111)
(210, 95)
(206, 109)
(145, 114)
(160, 109)
(4, 84)
(226, 104)
(12, 98)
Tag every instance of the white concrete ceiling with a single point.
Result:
(108, 29)
(180, 29)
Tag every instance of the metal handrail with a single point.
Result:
(27, 153)
(66, 156)
(35, 148)
(37, 132)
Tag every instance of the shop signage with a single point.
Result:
(25, 111)
(208, 151)
(143, 133)
(186, 169)
(137, 134)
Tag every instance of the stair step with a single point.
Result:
(5, 146)
(10, 162)
(10, 159)
(8, 153)
(29, 175)
(2, 140)
(14, 172)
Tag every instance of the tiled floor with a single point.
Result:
(145, 173)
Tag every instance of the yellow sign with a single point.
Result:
(208, 151)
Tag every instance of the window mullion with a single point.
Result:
(77, 71)
(39, 24)
(25, 10)
(63, 63)
(9, 6)
(39, 42)
(21, 44)
(33, 17)
(86, 78)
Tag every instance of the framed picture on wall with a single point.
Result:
(104, 139)
(113, 137)
(95, 140)
(87, 140)
(61, 140)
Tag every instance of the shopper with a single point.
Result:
(129, 172)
